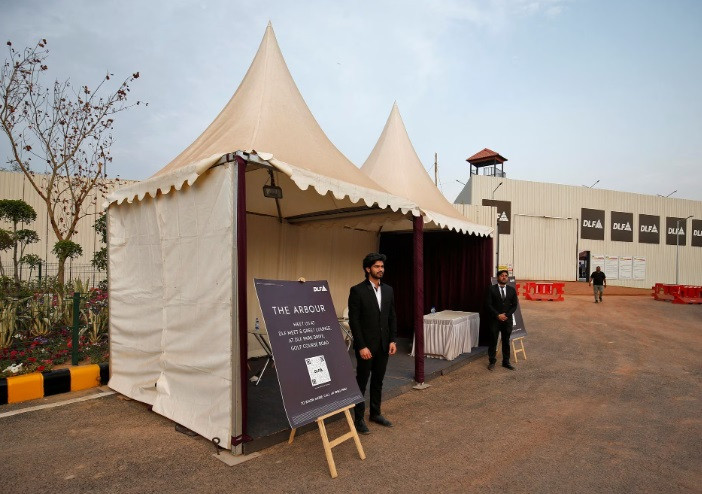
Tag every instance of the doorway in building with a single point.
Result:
(583, 265)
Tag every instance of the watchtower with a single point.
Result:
(491, 163)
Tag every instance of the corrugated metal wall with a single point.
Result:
(14, 185)
(544, 247)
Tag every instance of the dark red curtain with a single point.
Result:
(457, 271)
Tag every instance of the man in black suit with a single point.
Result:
(501, 302)
(374, 327)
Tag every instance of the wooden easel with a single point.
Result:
(515, 350)
(328, 445)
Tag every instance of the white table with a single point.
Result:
(450, 333)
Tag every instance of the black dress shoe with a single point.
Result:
(509, 366)
(379, 419)
(361, 427)
(491, 366)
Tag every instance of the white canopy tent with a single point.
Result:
(185, 245)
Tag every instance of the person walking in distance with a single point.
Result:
(598, 280)
(373, 324)
(501, 302)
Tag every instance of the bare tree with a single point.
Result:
(67, 131)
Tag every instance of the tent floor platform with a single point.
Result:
(267, 423)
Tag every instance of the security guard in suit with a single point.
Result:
(373, 324)
(501, 302)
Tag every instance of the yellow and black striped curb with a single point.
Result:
(39, 384)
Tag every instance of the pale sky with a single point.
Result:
(570, 91)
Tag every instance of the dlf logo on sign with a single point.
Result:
(649, 229)
(621, 226)
(697, 233)
(592, 224)
(319, 288)
(678, 231)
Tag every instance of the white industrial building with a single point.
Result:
(561, 232)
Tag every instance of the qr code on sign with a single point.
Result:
(317, 369)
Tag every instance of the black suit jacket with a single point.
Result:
(372, 328)
(496, 306)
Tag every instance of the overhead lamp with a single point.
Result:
(272, 192)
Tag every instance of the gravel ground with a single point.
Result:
(608, 401)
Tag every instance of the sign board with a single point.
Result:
(596, 260)
(649, 229)
(518, 327)
(696, 233)
(314, 369)
(622, 226)
(611, 267)
(625, 267)
(592, 224)
(504, 214)
(675, 231)
(639, 268)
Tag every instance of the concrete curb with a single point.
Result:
(40, 384)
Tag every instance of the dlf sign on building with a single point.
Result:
(622, 226)
(592, 224)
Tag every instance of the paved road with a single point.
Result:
(608, 401)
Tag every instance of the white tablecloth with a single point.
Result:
(450, 333)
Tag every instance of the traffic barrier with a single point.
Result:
(664, 291)
(688, 294)
(40, 384)
(537, 290)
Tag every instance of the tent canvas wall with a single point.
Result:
(175, 280)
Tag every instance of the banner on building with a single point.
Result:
(314, 369)
(625, 267)
(675, 231)
(696, 233)
(639, 268)
(504, 215)
(611, 267)
(649, 229)
(592, 224)
(622, 226)
(596, 260)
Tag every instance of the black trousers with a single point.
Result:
(499, 328)
(375, 368)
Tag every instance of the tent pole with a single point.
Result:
(418, 254)
(241, 289)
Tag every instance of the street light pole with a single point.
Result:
(497, 253)
(677, 245)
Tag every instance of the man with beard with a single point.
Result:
(374, 327)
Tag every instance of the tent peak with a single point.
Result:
(394, 164)
(267, 113)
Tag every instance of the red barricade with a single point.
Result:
(688, 294)
(663, 291)
(538, 290)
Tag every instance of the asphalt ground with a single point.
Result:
(608, 401)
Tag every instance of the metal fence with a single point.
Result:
(84, 272)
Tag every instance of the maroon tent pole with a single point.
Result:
(241, 289)
(418, 253)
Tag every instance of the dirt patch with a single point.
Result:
(608, 401)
